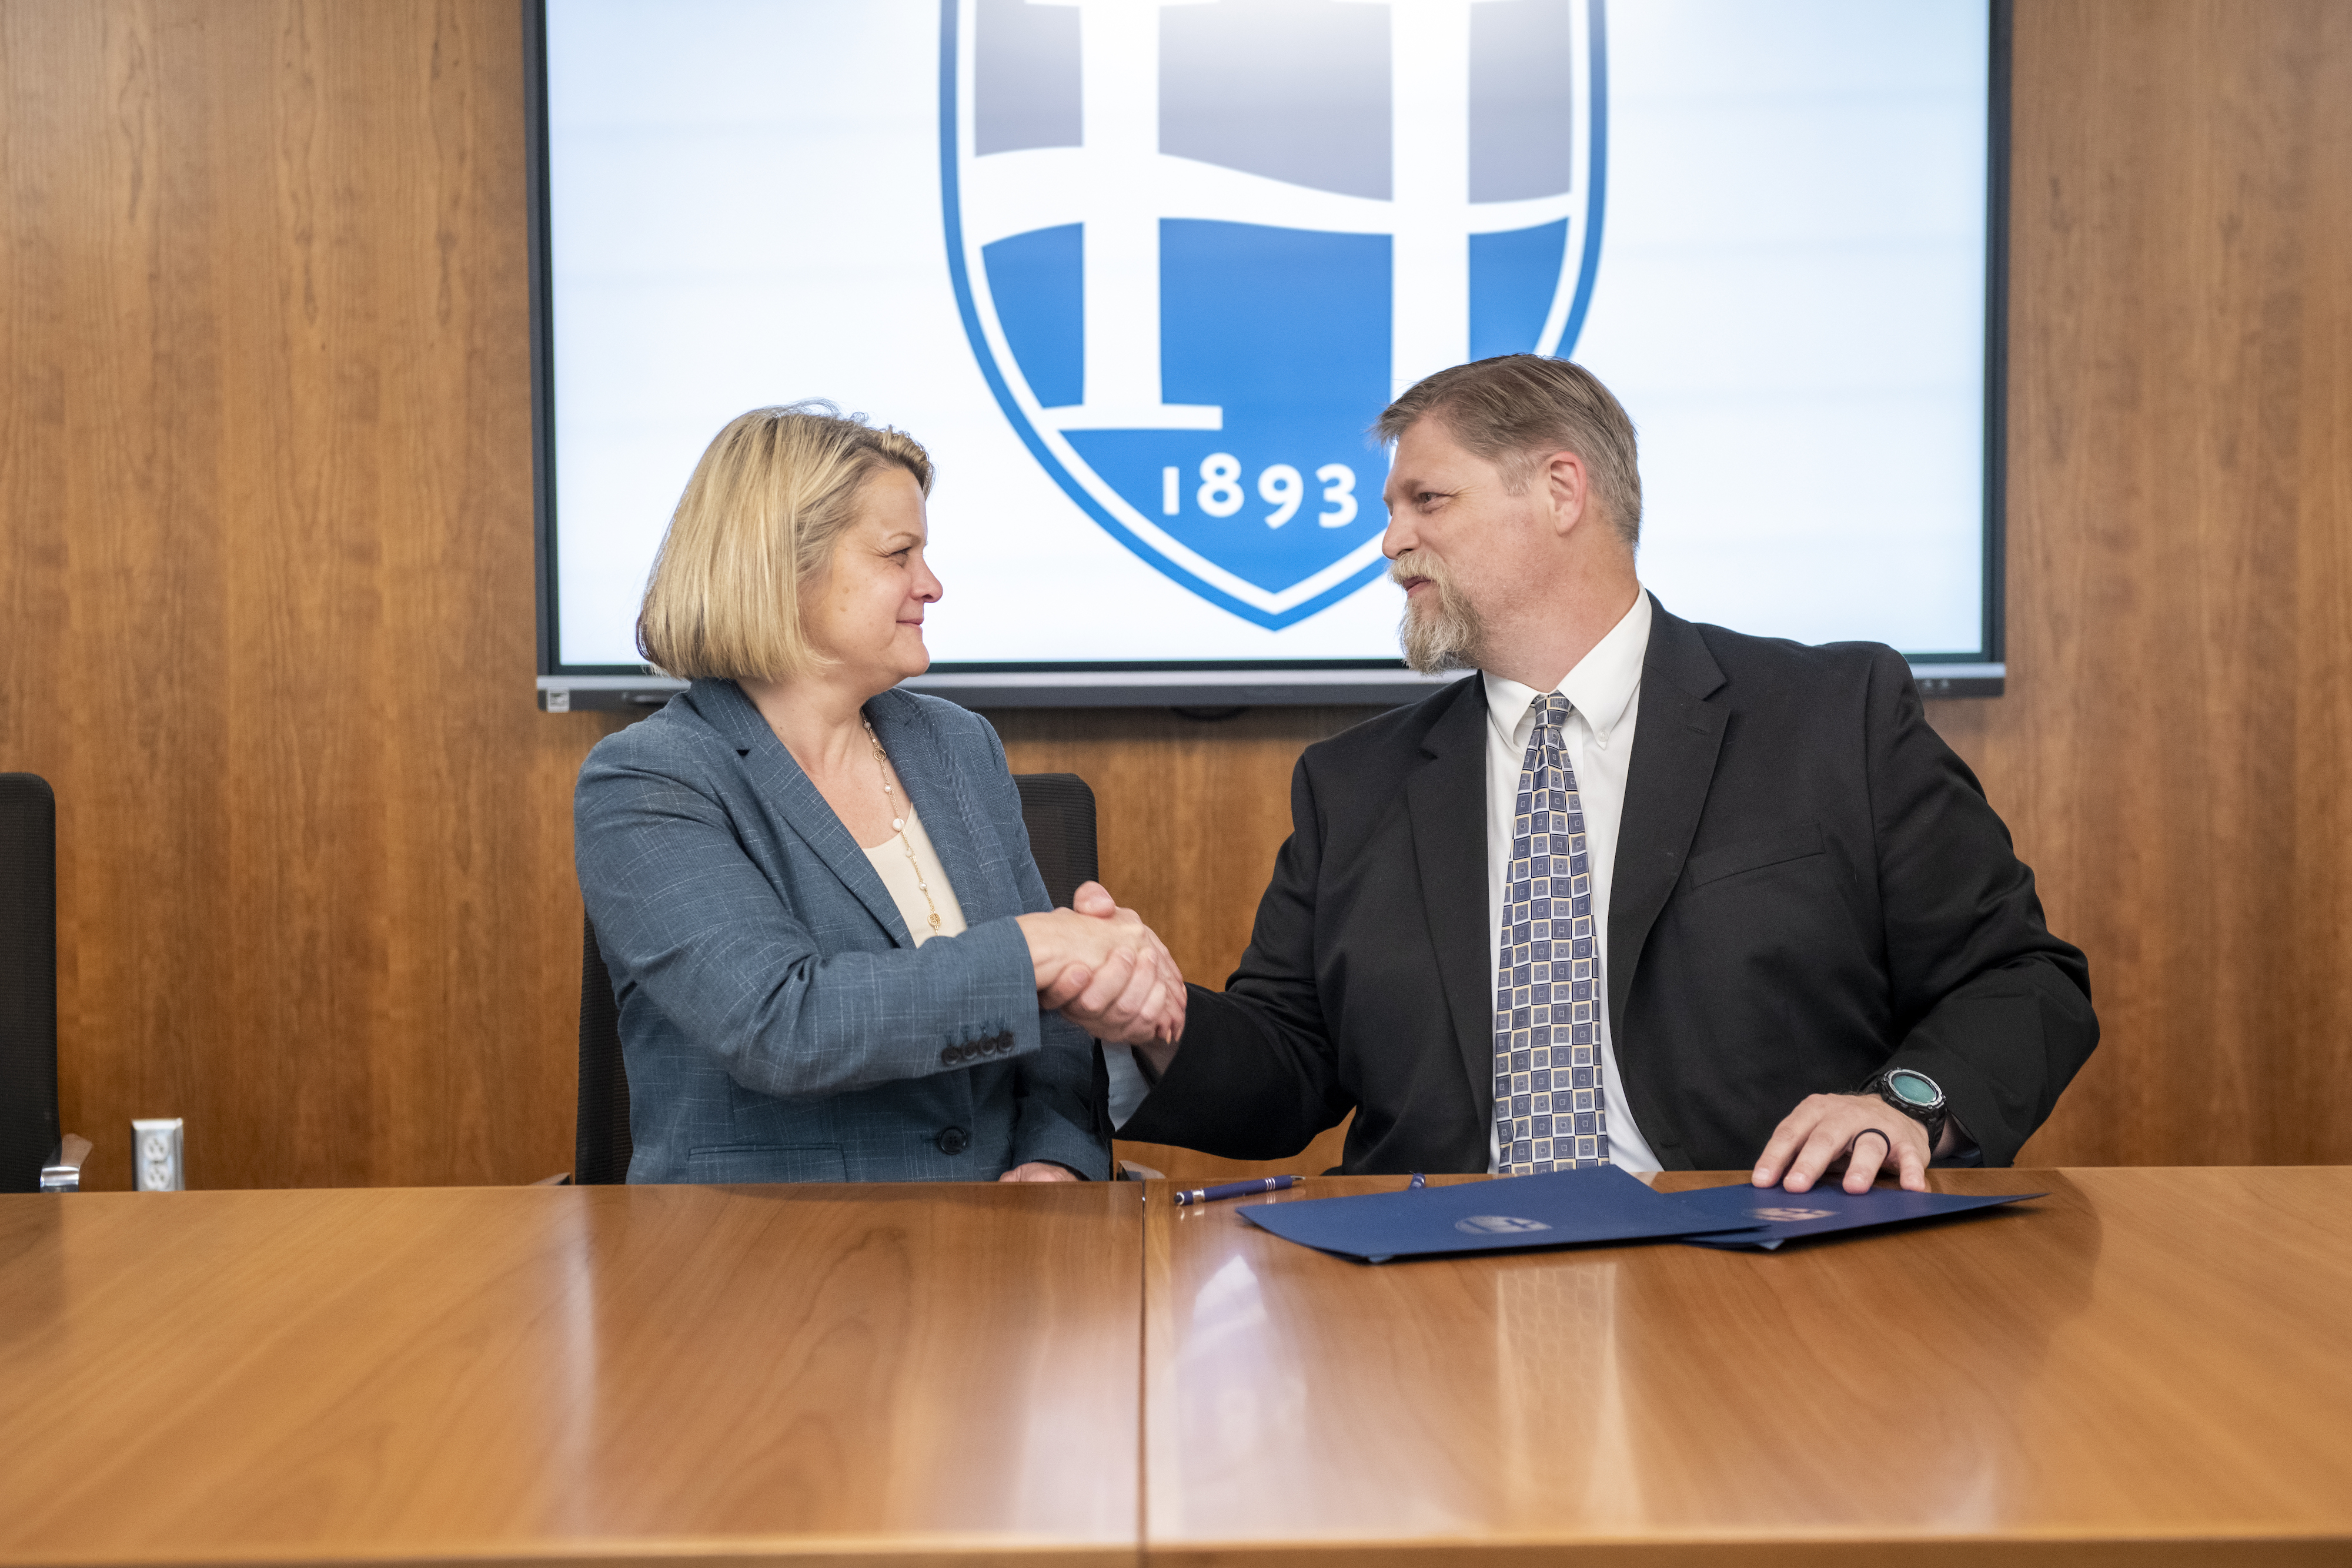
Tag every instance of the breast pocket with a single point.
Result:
(1795, 843)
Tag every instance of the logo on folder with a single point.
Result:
(1498, 1225)
(1198, 244)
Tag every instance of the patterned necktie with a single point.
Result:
(1548, 1106)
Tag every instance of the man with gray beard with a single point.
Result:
(1639, 892)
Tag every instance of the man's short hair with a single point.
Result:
(1518, 409)
(759, 521)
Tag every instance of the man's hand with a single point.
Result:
(1106, 971)
(1037, 1170)
(1863, 1129)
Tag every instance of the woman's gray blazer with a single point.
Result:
(778, 1022)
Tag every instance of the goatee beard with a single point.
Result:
(1440, 631)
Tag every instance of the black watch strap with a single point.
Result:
(1930, 1116)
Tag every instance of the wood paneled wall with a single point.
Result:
(2175, 756)
(266, 585)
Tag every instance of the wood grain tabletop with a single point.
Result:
(2148, 1365)
(876, 1375)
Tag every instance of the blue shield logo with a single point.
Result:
(1199, 245)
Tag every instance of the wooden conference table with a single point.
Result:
(2145, 1366)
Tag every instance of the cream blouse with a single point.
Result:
(890, 863)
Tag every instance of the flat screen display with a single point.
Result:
(1141, 273)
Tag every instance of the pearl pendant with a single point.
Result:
(897, 824)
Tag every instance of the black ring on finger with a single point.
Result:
(1879, 1133)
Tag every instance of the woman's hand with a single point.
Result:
(1106, 971)
(1037, 1170)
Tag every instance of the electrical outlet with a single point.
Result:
(155, 1156)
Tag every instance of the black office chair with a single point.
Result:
(600, 1140)
(34, 1155)
(1058, 810)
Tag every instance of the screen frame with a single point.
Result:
(1213, 683)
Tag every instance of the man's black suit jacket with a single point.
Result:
(1810, 886)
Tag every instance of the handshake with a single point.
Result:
(1108, 973)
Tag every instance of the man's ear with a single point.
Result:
(1568, 489)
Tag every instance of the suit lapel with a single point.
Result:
(1446, 800)
(1676, 739)
(778, 780)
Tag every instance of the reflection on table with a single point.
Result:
(901, 1373)
(2145, 1366)
(2143, 1356)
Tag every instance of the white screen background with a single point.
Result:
(745, 209)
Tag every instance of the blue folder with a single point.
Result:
(1559, 1208)
(1794, 1216)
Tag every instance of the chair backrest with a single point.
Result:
(1057, 808)
(29, 981)
(601, 1145)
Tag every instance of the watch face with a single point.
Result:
(1916, 1088)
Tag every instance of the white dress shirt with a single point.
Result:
(1605, 689)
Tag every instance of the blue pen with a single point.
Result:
(1235, 1189)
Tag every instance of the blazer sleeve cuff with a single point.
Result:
(998, 1018)
(1062, 1142)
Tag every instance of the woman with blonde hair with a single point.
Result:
(832, 954)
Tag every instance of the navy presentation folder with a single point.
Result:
(1559, 1208)
(1794, 1216)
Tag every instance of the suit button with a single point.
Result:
(953, 1141)
(951, 1056)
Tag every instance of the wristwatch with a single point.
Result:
(1914, 1094)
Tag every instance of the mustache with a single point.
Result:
(1405, 568)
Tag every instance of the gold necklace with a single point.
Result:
(898, 823)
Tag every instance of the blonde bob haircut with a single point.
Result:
(758, 524)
